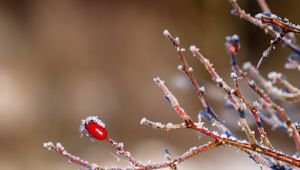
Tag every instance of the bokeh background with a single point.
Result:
(61, 61)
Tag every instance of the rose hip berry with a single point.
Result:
(94, 128)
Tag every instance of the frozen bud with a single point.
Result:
(232, 44)
(194, 49)
(166, 33)
(202, 89)
(48, 145)
(59, 146)
(255, 103)
(180, 67)
(233, 75)
(176, 40)
(157, 80)
(143, 121)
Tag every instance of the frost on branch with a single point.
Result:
(265, 111)
(71, 158)
(289, 96)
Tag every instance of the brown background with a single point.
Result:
(63, 60)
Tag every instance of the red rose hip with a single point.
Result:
(96, 130)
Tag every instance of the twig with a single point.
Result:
(186, 155)
(120, 151)
(173, 101)
(272, 46)
(159, 125)
(292, 65)
(268, 86)
(271, 119)
(284, 24)
(187, 69)
(255, 113)
(279, 78)
(265, 9)
(268, 29)
(74, 159)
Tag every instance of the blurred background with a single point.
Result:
(61, 61)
